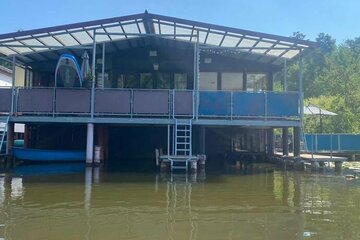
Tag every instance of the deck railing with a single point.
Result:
(144, 103)
(337, 143)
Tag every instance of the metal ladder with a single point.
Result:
(3, 131)
(182, 144)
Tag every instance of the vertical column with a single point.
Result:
(106, 142)
(93, 72)
(197, 75)
(270, 141)
(103, 65)
(244, 80)
(297, 136)
(301, 96)
(90, 144)
(202, 140)
(285, 77)
(270, 82)
(10, 137)
(13, 79)
(285, 144)
(26, 136)
(100, 143)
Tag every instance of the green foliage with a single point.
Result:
(331, 76)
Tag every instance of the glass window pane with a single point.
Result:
(146, 81)
(256, 82)
(120, 81)
(103, 82)
(208, 80)
(126, 81)
(180, 81)
(232, 81)
(163, 81)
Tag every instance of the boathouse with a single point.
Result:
(151, 77)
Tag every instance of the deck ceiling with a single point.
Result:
(34, 45)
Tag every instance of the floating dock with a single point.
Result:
(316, 160)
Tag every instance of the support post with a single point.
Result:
(244, 80)
(270, 85)
(202, 140)
(168, 140)
(103, 65)
(270, 141)
(27, 136)
(100, 143)
(338, 166)
(297, 137)
(285, 144)
(10, 138)
(90, 144)
(285, 77)
(301, 96)
(196, 74)
(13, 79)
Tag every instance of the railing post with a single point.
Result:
(265, 105)
(231, 105)
(13, 85)
(331, 147)
(54, 101)
(173, 103)
(103, 65)
(131, 103)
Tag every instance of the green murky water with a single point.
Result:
(79, 203)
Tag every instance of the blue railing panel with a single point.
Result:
(350, 142)
(282, 104)
(332, 142)
(248, 104)
(214, 103)
(310, 142)
(326, 142)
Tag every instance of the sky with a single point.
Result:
(338, 18)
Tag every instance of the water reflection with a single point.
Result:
(95, 204)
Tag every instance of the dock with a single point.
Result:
(179, 162)
(316, 160)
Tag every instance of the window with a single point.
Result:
(103, 82)
(208, 81)
(126, 81)
(180, 81)
(232, 81)
(256, 82)
(146, 81)
(163, 80)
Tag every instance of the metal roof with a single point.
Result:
(31, 44)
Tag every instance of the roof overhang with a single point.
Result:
(210, 37)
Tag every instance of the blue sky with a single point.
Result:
(339, 18)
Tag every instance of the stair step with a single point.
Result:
(179, 167)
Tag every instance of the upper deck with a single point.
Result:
(150, 106)
(151, 69)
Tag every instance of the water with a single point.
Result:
(78, 203)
